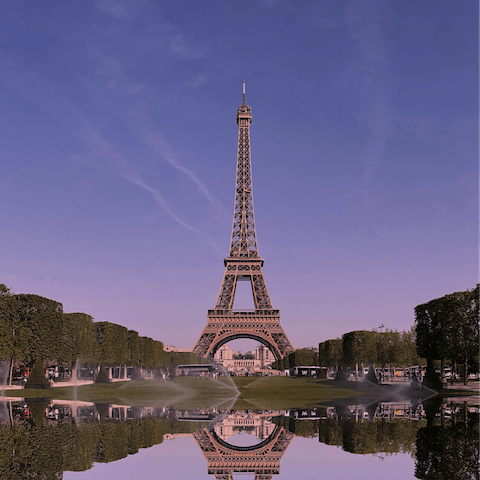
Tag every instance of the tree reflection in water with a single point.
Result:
(42, 440)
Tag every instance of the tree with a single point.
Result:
(133, 348)
(331, 353)
(78, 338)
(158, 354)
(146, 349)
(447, 327)
(37, 377)
(360, 347)
(112, 343)
(31, 328)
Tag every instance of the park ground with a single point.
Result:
(276, 393)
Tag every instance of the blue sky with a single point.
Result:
(118, 155)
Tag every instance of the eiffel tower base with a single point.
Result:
(260, 325)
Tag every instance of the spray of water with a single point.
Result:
(4, 373)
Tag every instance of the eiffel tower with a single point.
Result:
(225, 460)
(243, 263)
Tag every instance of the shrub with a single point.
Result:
(37, 378)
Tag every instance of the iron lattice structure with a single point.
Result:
(224, 459)
(243, 263)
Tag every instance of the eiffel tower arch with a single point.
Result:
(243, 263)
(225, 459)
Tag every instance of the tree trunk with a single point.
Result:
(11, 371)
(465, 368)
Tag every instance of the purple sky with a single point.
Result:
(305, 458)
(118, 155)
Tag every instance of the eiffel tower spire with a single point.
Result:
(244, 242)
(243, 263)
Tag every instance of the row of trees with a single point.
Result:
(34, 327)
(370, 348)
(357, 348)
(447, 329)
(44, 450)
(301, 356)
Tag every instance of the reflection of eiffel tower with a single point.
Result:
(224, 459)
(243, 263)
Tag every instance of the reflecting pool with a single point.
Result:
(49, 439)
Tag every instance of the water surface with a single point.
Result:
(384, 440)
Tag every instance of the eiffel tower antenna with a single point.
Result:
(243, 263)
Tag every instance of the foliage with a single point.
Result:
(37, 378)
(45, 451)
(34, 327)
(37, 410)
(447, 327)
(29, 327)
(146, 352)
(302, 356)
(158, 354)
(133, 348)
(448, 453)
(360, 347)
(102, 376)
(172, 359)
(331, 353)
(112, 343)
(78, 338)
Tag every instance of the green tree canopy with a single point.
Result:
(112, 343)
(78, 338)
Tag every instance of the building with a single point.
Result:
(260, 359)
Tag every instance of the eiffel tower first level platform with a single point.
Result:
(243, 263)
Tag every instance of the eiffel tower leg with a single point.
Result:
(260, 293)
(227, 290)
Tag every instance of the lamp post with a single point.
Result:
(381, 327)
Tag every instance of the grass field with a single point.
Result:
(183, 393)
(283, 393)
(226, 392)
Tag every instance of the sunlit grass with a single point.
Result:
(182, 392)
(283, 393)
(274, 393)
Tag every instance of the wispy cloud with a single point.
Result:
(117, 8)
(182, 47)
(197, 80)
(39, 92)
(154, 140)
(101, 147)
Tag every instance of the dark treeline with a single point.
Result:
(359, 437)
(34, 327)
(359, 347)
(447, 330)
(442, 450)
(47, 450)
(301, 356)
(363, 347)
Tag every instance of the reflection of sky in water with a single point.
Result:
(305, 459)
(243, 439)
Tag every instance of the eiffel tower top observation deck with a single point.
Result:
(243, 263)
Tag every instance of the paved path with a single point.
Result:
(71, 383)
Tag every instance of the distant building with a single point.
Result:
(173, 348)
(262, 359)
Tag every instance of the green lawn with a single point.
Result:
(183, 393)
(267, 393)
(283, 393)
